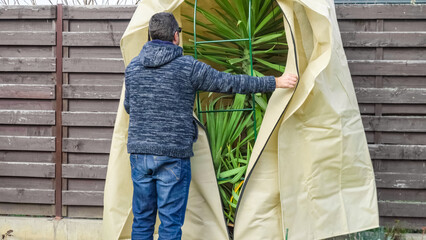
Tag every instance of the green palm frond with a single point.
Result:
(231, 134)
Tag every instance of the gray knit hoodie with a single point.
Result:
(160, 90)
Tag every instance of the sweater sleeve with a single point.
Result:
(206, 78)
(126, 97)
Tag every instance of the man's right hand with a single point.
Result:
(287, 80)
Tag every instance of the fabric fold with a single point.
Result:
(310, 174)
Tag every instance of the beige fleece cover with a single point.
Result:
(310, 173)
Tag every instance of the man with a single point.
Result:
(160, 90)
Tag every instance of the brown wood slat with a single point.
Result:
(27, 209)
(92, 39)
(27, 91)
(379, 11)
(88, 158)
(85, 212)
(402, 209)
(27, 12)
(91, 91)
(394, 124)
(94, 65)
(408, 138)
(401, 166)
(27, 78)
(28, 117)
(391, 95)
(397, 152)
(24, 104)
(403, 109)
(40, 38)
(403, 223)
(384, 39)
(90, 105)
(42, 144)
(26, 130)
(86, 145)
(388, 67)
(22, 195)
(99, 12)
(400, 180)
(86, 184)
(97, 26)
(84, 171)
(26, 182)
(29, 64)
(27, 169)
(410, 195)
(404, 25)
(27, 156)
(97, 52)
(90, 132)
(89, 119)
(83, 198)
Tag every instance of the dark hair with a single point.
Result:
(162, 26)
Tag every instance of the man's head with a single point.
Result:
(163, 26)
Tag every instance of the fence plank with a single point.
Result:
(403, 223)
(33, 117)
(27, 78)
(42, 144)
(397, 152)
(410, 195)
(28, 64)
(85, 212)
(384, 39)
(27, 169)
(379, 11)
(94, 65)
(83, 198)
(92, 91)
(391, 95)
(88, 158)
(394, 124)
(26, 182)
(402, 209)
(27, 91)
(400, 166)
(388, 67)
(89, 119)
(406, 138)
(99, 12)
(27, 209)
(405, 109)
(22, 195)
(84, 171)
(26, 156)
(401, 180)
(92, 39)
(27, 12)
(88, 105)
(39, 38)
(86, 184)
(86, 145)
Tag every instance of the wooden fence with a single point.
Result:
(57, 136)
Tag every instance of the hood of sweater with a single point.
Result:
(157, 53)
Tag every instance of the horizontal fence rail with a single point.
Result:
(386, 53)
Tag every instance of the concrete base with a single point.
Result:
(27, 228)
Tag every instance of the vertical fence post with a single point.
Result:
(58, 112)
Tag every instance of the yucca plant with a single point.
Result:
(231, 134)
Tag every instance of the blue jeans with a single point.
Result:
(159, 183)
